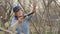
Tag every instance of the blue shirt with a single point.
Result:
(24, 26)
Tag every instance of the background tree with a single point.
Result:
(45, 21)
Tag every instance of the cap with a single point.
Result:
(16, 8)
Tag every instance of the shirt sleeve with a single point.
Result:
(13, 21)
(28, 18)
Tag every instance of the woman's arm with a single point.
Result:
(29, 14)
(15, 26)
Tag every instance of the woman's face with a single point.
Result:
(19, 14)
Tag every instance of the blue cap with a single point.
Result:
(16, 8)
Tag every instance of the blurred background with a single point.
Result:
(45, 21)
